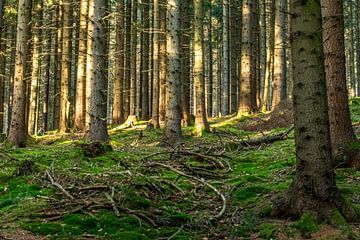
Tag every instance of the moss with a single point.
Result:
(250, 192)
(307, 225)
(338, 220)
(248, 224)
(267, 230)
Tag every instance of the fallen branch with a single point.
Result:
(223, 209)
(59, 186)
(262, 140)
(113, 204)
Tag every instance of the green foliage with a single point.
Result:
(250, 192)
(267, 231)
(339, 221)
(307, 225)
(248, 224)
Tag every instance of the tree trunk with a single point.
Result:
(225, 60)
(341, 130)
(156, 81)
(279, 83)
(209, 98)
(145, 62)
(162, 59)
(80, 95)
(133, 77)
(185, 14)
(313, 189)
(201, 123)
(173, 116)
(244, 106)
(18, 131)
(97, 71)
(2, 66)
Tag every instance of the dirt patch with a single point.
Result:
(19, 234)
(281, 117)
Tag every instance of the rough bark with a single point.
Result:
(201, 123)
(145, 62)
(18, 131)
(162, 59)
(225, 60)
(2, 66)
(80, 95)
(244, 105)
(209, 95)
(127, 77)
(341, 130)
(313, 189)
(173, 116)
(279, 86)
(156, 82)
(185, 13)
(133, 76)
(98, 71)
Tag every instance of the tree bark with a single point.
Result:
(145, 61)
(313, 189)
(201, 123)
(156, 81)
(2, 66)
(279, 86)
(98, 37)
(225, 61)
(80, 95)
(162, 59)
(133, 76)
(173, 116)
(18, 131)
(341, 130)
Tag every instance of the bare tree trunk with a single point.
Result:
(279, 83)
(225, 60)
(97, 71)
(173, 116)
(246, 59)
(156, 81)
(18, 131)
(162, 59)
(145, 62)
(235, 38)
(80, 99)
(209, 99)
(201, 123)
(2, 66)
(185, 13)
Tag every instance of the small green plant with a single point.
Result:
(307, 225)
(267, 230)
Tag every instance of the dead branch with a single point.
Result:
(113, 204)
(59, 186)
(223, 209)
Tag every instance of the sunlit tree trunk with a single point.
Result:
(209, 95)
(201, 123)
(65, 66)
(279, 86)
(173, 116)
(246, 59)
(98, 37)
(145, 62)
(18, 131)
(156, 82)
(2, 66)
(80, 96)
(133, 76)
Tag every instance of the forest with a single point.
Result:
(179, 119)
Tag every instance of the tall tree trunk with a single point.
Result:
(185, 14)
(18, 131)
(35, 71)
(173, 116)
(244, 105)
(209, 99)
(341, 130)
(65, 66)
(133, 88)
(313, 189)
(145, 62)
(235, 38)
(98, 37)
(225, 60)
(156, 81)
(162, 59)
(201, 123)
(2, 66)
(80, 95)
(351, 63)
(279, 83)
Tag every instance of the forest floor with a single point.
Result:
(219, 186)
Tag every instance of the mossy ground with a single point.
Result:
(155, 202)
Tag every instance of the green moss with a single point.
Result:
(250, 192)
(248, 224)
(267, 230)
(307, 225)
(338, 220)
